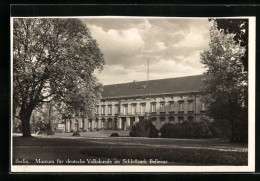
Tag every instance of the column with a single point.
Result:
(67, 125)
(93, 124)
(119, 123)
(85, 124)
(127, 124)
(99, 123)
(136, 120)
(72, 126)
(90, 124)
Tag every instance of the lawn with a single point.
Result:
(165, 151)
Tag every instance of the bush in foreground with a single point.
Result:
(50, 132)
(144, 129)
(76, 134)
(114, 135)
(187, 129)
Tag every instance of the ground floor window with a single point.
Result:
(190, 118)
(180, 119)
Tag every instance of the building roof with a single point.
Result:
(155, 87)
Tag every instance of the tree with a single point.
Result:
(227, 83)
(53, 60)
(238, 27)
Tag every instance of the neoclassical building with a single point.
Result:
(170, 100)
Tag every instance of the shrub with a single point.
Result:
(76, 134)
(40, 133)
(144, 129)
(187, 129)
(50, 132)
(114, 135)
(222, 128)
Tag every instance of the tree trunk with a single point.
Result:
(25, 118)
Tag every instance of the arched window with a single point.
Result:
(162, 118)
(190, 118)
(171, 118)
(180, 119)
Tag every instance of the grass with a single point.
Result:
(174, 151)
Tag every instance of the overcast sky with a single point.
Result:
(172, 45)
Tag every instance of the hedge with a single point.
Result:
(187, 129)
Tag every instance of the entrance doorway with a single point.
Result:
(123, 123)
(132, 120)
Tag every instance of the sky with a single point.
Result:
(172, 46)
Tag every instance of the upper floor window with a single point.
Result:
(109, 109)
(180, 105)
(125, 106)
(162, 107)
(133, 108)
(102, 109)
(190, 105)
(143, 108)
(96, 109)
(116, 108)
(153, 107)
(203, 108)
(171, 106)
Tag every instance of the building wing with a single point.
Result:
(162, 86)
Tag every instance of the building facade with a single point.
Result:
(163, 101)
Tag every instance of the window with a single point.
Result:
(180, 119)
(109, 109)
(190, 118)
(162, 106)
(142, 108)
(116, 109)
(133, 108)
(203, 107)
(102, 109)
(97, 109)
(171, 106)
(125, 109)
(153, 109)
(190, 105)
(181, 106)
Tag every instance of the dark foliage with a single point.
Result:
(187, 129)
(76, 134)
(239, 27)
(49, 132)
(144, 129)
(114, 135)
(58, 55)
(226, 94)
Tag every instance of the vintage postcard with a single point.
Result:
(132, 94)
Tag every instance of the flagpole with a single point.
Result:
(148, 69)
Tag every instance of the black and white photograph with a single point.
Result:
(132, 94)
